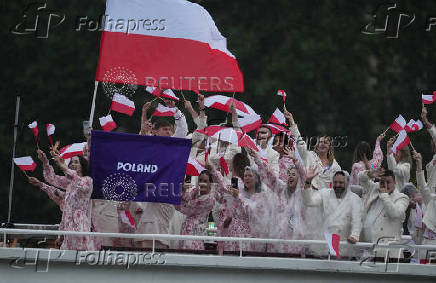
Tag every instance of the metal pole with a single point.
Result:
(11, 184)
(91, 114)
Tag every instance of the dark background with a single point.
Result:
(338, 80)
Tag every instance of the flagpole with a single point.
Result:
(91, 115)
(227, 114)
(411, 145)
(386, 130)
(11, 183)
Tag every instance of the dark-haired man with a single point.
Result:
(385, 210)
(341, 208)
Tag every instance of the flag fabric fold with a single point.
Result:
(34, 127)
(413, 126)
(428, 99)
(333, 241)
(249, 123)
(164, 111)
(194, 168)
(154, 90)
(122, 104)
(72, 150)
(168, 93)
(50, 131)
(398, 124)
(224, 165)
(127, 218)
(401, 141)
(181, 49)
(282, 93)
(107, 123)
(278, 118)
(25, 163)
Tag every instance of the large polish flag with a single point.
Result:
(167, 43)
(122, 104)
(25, 163)
(72, 150)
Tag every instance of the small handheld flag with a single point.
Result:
(50, 131)
(333, 241)
(34, 127)
(25, 163)
(107, 123)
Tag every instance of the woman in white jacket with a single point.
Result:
(322, 157)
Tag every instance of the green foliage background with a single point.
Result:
(339, 81)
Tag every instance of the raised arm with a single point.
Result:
(267, 175)
(53, 193)
(420, 179)
(365, 179)
(181, 126)
(299, 141)
(146, 126)
(49, 174)
(377, 155)
(310, 197)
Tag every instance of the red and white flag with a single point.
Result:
(282, 93)
(419, 217)
(398, 124)
(25, 163)
(193, 167)
(224, 165)
(168, 93)
(50, 131)
(126, 217)
(413, 126)
(278, 118)
(223, 103)
(206, 150)
(182, 45)
(164, 111)
(401, 141)
(429, 99)
(34, 127)
(249, 123)
(107, 123)
(72, 150)
(275, 129)
(333, 241)
(154, 90)
(122, 104)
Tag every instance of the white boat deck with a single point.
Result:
(50, 265)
